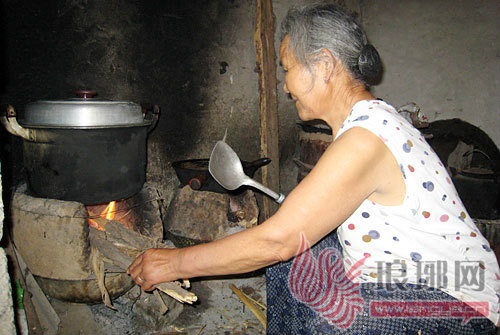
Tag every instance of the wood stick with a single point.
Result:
(121, 247)
(32, 319)
(177, 292)
(258, 303)
(97, 264)
(255, 310)
(47, 316)
(201, 329)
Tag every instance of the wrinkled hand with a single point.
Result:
(154, 266)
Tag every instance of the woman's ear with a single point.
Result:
(328, 64)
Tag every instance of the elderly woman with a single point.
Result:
(385, 223)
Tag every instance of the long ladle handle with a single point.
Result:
(278, 197)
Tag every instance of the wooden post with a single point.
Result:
(268, 100)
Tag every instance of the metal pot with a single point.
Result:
(194, 172)
(84, 149)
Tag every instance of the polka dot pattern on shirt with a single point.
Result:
(431, 223)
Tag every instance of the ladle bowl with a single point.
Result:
(226, 168)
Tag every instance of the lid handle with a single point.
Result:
(85, 94)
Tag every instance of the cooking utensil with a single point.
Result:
(194, 172)
(83, 112)
(84, 149)
(226, 168)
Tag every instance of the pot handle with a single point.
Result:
(197, 182)
(251, 167)
(151, 113)
(9, 121)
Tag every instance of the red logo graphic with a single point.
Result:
(322, 284)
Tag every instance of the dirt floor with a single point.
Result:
(218, 311)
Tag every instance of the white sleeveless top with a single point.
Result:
(429, 239)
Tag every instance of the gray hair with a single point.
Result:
(314, 27)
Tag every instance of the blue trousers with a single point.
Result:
(288, 313)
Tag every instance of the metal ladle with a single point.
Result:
(225, 167)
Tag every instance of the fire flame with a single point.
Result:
(108, 213)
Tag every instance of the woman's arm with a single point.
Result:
(353, 168)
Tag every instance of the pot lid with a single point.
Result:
(85, 111)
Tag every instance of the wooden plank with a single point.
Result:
(34, 325)
(268, 100)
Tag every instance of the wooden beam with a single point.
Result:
(268, 100)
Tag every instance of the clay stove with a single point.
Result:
(53, 238)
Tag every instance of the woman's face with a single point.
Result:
(305, 88)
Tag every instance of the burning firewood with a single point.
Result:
(120, 246)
